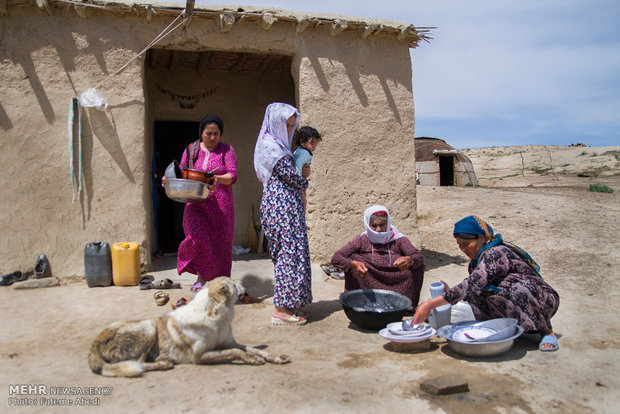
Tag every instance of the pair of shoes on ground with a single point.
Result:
(8, 279)
(298, 317)
(147, 282)
(549, 339)
(332, 271)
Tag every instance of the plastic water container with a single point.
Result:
(125, 263)
(97, 264)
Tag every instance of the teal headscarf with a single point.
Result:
(476, 226)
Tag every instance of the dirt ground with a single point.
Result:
(570, 231)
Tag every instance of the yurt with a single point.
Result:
(438, 163)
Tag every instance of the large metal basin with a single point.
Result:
(373, 309)
(186, 191)
(482, 349)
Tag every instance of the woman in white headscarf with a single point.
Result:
(282, 214)
(381, 258)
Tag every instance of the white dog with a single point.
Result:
(199, 333)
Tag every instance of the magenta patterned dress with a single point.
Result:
(209, 225)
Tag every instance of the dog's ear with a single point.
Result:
(220, 291)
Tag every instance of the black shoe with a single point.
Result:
(8, 279)
(42, 268)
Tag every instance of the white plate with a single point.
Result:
(475, 332)
(385, 333)
(396, 328)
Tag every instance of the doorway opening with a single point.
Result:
(446, 170)
(170, 138)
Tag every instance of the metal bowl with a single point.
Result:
(186, 191)
(481, 349)
(373, 309)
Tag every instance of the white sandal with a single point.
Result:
(291, 320)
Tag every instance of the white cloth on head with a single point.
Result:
(274, 142)
(380, 237)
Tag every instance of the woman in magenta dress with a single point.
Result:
(209, 224)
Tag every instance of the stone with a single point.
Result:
(444, 385)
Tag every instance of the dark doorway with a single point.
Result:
(170, 138)
(446, 170)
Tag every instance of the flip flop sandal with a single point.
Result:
(165, 284)
(161, 298)
(10, 278)
(247, 299)
(291, 320)
(145, 282)
(196, 287)
(180, 302)
(549, 339)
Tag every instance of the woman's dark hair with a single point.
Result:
(468, 236)
(304, 134)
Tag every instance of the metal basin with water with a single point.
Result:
(373, 309)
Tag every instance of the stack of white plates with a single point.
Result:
(395, 332)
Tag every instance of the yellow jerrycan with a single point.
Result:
(125, 263)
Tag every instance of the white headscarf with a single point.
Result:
(380, 237)
(273, 141)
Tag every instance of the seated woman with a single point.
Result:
(503, 282)
(381, 258)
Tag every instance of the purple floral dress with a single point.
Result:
(209, 225)
(524, 295)
(283, 220)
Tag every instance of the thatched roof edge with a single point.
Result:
(366, 26)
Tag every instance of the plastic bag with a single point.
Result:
(90, 98)
(462, 312)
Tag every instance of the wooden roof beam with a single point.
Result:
(240, 65)
(268, 20)
(43, 5)
(226, 21)
(174, 60)
(203, 63)
(337, 27)
(265, 65)
(302, 24)
(404, 31)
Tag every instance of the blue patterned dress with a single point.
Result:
(284, 222)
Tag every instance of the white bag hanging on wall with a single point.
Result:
(90, 98)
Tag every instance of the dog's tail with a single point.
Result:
(129, 368)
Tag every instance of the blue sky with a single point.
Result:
(504, 72)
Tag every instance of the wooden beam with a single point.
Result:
(189, 8)
(265, 65)
(150, 12)
(368, 30)
(302, 24)
(404, 31)
(43, 5)
(203, 63)
(268, 20)
(337, 27)
(226, 21)
(240, 65)
(174, 60)
(80, 10)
